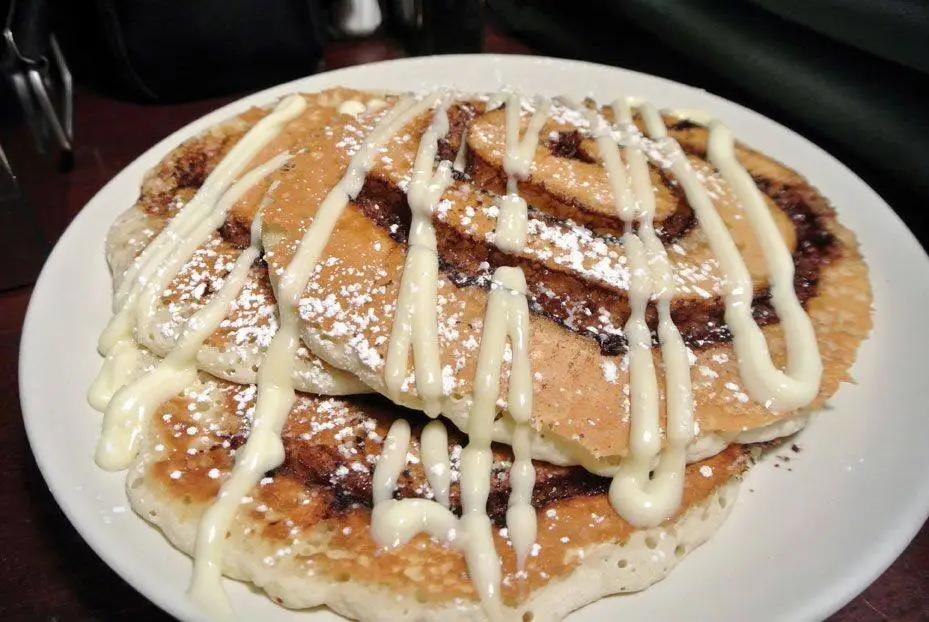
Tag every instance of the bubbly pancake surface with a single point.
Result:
(302, 533)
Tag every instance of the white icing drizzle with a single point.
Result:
(521, 151)
(512, 222)
(199, 235)
(480, 553)
(128, 407)
(507, 315)
(395, 522)
(434, 449)
(264, 450)
(415, 320)
(520, 515)
(764, 382)
(644, 501)
(115, 372)
(352, 107)
(121, 358)
(391, 461)
(132, 405)
(512, 225)
(116, 342)
(149, 261)
(650, 116)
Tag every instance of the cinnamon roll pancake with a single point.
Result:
(235, 349)
(578, 274)
(302, 533)
(609, 303)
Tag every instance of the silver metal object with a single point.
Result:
(44, 88)
(41, 81)
(59, 120)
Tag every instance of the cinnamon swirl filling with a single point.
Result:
(578, 302)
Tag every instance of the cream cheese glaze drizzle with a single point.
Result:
(642, 500)
(504, 318)
(115, 373)
(461, 157)
(512, 221)
(133, 404)
(415, 319)
(520, 515)
(116, 342)
(395, 522)
(200, 233)
(127, 407)
(149, 262)
(507, 317)
(263, 450)
(434, 449)
(777, 390)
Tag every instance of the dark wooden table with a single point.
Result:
(47, 572)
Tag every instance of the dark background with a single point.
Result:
(847, 75)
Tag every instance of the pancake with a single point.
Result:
(606, 302)
(577, 274)
(302, 534)
(236, 349)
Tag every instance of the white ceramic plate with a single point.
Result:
(798, 547)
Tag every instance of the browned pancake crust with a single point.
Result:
(310, 500)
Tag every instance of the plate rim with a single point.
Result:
(841, 590)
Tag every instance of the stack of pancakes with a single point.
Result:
(302, 533)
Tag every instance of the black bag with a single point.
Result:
(173, 50)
